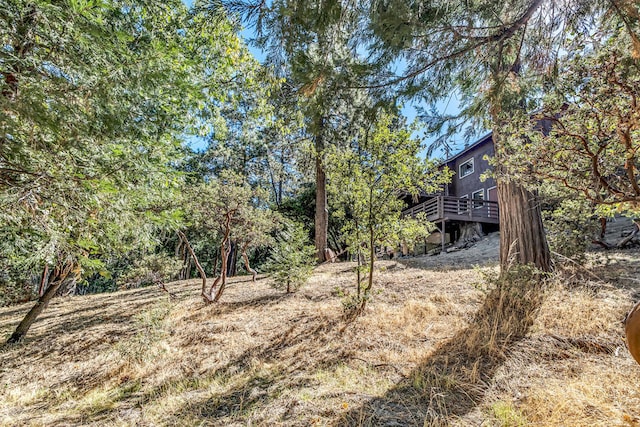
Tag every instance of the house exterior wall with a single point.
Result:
(464, 186)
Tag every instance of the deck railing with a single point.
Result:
(455, 208)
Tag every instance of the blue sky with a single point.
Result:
(446, 106)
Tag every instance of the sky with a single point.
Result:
(450, 105)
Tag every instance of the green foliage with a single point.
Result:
(590, 147)
(14, 288)
(300, 207)
(230, 197)
(292, 259)
(571, 227)
(507, 415)
(94, 99)
(148, 270)
(366, 181)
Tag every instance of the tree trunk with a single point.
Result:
(222, 278)
(186, 261)
(358, 272)
(232, 260)
(187, 271)
(43, 280)
(372, 259)
(59, 277)
(248, 267)
(522, 236)
(203, 275)
(224, 255)
(470, 233)
(322, 213)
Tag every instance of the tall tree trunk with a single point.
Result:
(322, 213)
(522, 236)
(58, 278)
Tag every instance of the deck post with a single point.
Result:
(442, 235)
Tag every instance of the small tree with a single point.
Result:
(292, 258)
(366, 181)
(228, 208)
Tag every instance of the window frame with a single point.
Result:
(478, 205)
(473, 168)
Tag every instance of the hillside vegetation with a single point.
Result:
(443, 347)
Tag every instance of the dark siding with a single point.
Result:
(465, 186)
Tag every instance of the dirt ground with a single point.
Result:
(437, 345)
(483, 253)
(486, 251)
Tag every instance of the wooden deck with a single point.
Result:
(447, 208)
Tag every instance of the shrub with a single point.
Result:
(149, 270)
(571, 228)
(292, 259)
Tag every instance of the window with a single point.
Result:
(466, 168)
(477, 195)
(463, 204)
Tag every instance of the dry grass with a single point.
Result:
(432, 348)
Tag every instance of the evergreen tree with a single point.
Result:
(96, 97)
(292, 258)
(312, 45)
(499, 56)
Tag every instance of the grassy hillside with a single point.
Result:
(443, 346)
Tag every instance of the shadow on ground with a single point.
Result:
(446, 265)
(453, 379)
(257, 379)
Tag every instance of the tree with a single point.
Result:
(477, 48)
(499, 56)
(291, 260)
(230, 210)
(95, 98)
(589, 144)
(366, 180)
(311, 45)
(592, 141)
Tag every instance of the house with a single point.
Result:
(467, 199)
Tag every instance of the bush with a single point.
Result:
(571, 228)
(149, 270)
(292, 259)
(17, 285)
